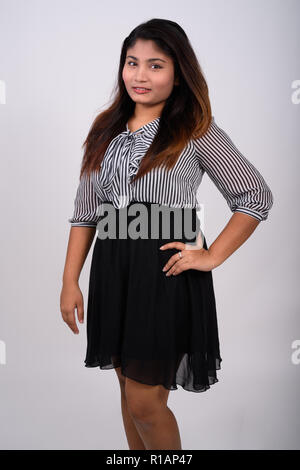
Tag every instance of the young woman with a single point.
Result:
(156, 327)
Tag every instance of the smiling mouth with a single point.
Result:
(140, 88)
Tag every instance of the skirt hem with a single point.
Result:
(212, 379)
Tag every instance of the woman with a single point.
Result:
(151, 308)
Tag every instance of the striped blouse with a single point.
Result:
(241, 184)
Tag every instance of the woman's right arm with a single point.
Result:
(80, 241)
(82, 232)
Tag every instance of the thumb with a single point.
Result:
(80, 311)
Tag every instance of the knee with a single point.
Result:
(143, 411)
(144, 406)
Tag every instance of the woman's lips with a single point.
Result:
(141, 90)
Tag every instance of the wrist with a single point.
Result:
(67, 281)
(215, 261)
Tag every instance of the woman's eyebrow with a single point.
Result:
(149, 60)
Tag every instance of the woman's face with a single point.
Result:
(141, 70)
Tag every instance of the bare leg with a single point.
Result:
(161, 431)
(155, 422)
(134, 440)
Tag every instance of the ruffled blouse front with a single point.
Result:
(121, 163)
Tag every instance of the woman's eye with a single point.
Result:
(156, 65)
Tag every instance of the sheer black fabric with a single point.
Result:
(158, 329)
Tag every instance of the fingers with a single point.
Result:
(178, 267)
(176, 263)
(69, 318)
(71, 298)
(177, 245)
(175, 258)
(72, 323)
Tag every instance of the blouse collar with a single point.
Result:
(149, 129)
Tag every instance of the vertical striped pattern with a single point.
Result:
(241, 184)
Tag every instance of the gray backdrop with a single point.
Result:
(58, 65)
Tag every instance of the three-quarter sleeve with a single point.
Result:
(241, 184)
(85, 204)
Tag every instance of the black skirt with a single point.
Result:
(159, 329)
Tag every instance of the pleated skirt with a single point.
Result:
(158, 329)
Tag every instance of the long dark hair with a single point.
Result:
(186, 114)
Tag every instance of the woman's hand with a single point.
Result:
(192, 257)
(70, 298)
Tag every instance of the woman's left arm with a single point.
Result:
(245, 190)
(242, 185)
(235, 233)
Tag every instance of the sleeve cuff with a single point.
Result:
(252, 213)
(83, 224)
